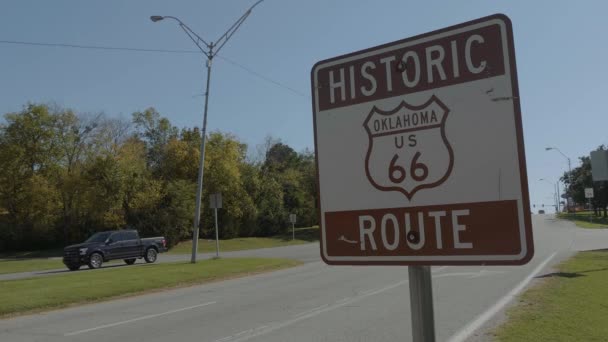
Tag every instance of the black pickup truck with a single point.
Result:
(111, 245)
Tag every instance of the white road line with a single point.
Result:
(300, 317)
(455, 274)
(136, 319)
(311, 310)
(471, 275)
(438, 269)
(470, 328)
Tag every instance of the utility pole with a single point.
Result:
(567, 190)
(555, 193)
(210, 50)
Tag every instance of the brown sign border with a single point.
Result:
(520, 149)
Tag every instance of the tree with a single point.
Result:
(75, 138)
(156, 131)
(224, 158)
(296, 173)
(580, 178)
(31, 133)
(65, 175)
(280, 157)
(181, 160)
(28, 156)
(164, 209)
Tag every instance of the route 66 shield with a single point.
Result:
(408, 150)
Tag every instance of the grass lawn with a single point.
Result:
(585, 219)
(29, 265)
(303, 235)
(570, 305)
(26, 265)
(37, 294)
(44, 253)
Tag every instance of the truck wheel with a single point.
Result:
(130, 261)
(73, 267)
(95, 261)
(151, 255)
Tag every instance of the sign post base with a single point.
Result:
(421, 304)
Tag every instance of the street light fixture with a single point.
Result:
(569, 173)
(210, 50)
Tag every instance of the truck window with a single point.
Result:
(130, 235)
(118, 237)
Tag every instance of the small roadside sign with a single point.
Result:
(599, 165)
(588, 192)
(420, 152)
(292, 218)
(215, 201)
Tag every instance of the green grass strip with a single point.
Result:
(569, 305)
(585, 219)
(27, 265)
(37, 294)
(303, 235)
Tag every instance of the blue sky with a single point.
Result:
(560, 49)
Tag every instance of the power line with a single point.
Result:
(263, 77)
(114, 48)
(93, 47)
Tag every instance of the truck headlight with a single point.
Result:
(83, 251)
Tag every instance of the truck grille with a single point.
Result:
(71, 254)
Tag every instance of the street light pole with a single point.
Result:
(558, 195)
(569, 174)
(201, 166)
(209, 52)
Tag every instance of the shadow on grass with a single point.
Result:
(572, 275)
(560, 275)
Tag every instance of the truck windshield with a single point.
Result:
(98, 237)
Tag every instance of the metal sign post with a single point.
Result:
(215, 202)
(292, 219)
(217, 239)
(589, 196)
(421, 303)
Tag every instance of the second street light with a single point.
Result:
(210, 50)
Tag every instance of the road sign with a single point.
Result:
(292, 218)
(599, 165)
(588, 192)
(420, 152)
(215, 201)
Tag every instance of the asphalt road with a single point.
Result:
(313, 302)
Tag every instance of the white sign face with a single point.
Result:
(420, 152)
(588, 192)
(292, 218)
